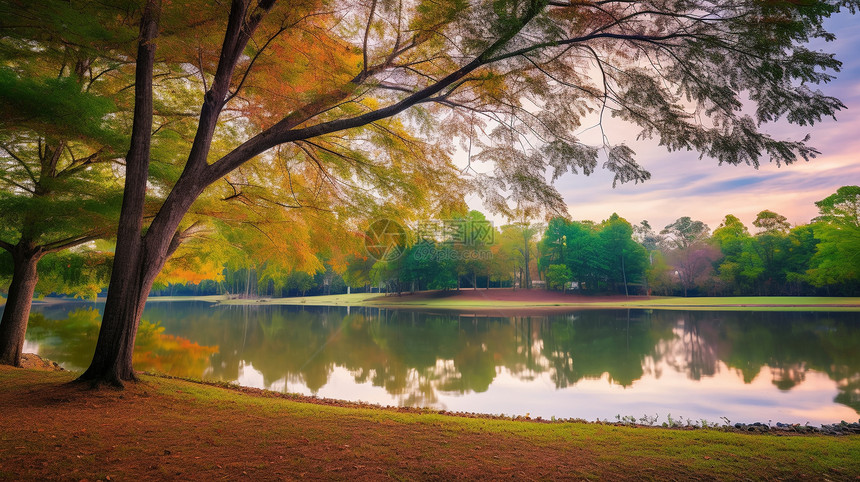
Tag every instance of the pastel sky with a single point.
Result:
(684, 185)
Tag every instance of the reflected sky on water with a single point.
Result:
(746, 366)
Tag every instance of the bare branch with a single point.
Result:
(366, 35)
(21, 162)
(10, 181)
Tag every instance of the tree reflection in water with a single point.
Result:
(415, 355)
(70, 341)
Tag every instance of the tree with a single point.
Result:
(584, 254)
(841, 207)
(690, 255)
(510, 252)
(553, 243)
(741, 266)
(693, 265)
(625, 258)
(660, 275)
(684, 232)
(473, 232)
(453, 62)
(771, 247)
(800, 250)
(557, 275)
(645, 235)
(837, 261)
(770, 222)
(507, 259)
(57, 151)
(527, 231)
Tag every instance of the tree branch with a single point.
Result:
(10, 181)
(20, 161)
(73, 241)
(366, 35)
(283, 131)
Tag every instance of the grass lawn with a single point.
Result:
(163, 428)
(768, 303)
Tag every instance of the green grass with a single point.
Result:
(759, 303)
(354, 299)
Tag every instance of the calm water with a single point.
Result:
(746, 366)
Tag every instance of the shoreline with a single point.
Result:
(542, 301)
(512, 302)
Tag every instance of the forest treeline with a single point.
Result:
(684, 258)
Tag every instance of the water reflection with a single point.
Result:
(70, 340)
(794, 367)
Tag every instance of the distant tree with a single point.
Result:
(689, 253)
(626, 259)
(800, 251)
(300, 282)
(741, 266)
(841, 208)
(768, 221)
(771, 246)
(472, 243)
(557, 275)
(684, 232)
(584, 254)
(527, 231)
(357, 272)
(553, 243)
(506, 258)
(837, 261)
(693, 265)
(730, 232)
(646, 236)
(660, 276)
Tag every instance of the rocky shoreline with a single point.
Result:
(841, 428)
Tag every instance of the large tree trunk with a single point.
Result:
(131, 281)
(139, 258)
(128, 288)
(16, 314)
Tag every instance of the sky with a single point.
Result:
(681, 184)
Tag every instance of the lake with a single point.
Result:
(590, 364)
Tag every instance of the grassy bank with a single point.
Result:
(764, 303)
(164, 428)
